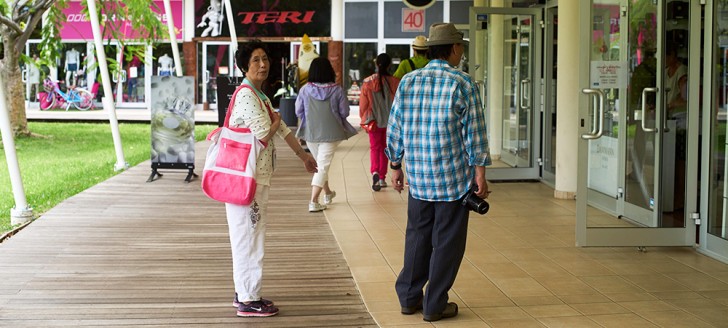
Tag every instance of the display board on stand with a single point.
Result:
(172, 125)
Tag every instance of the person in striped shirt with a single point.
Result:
(437, 128)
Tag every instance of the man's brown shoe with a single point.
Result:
(451, 310)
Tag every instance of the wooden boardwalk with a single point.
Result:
(127, 253)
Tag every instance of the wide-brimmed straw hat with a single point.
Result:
(444, 33)
(419, 43)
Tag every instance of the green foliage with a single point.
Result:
(50, 44)
(73, 157)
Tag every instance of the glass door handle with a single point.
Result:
(598, 111)
(644, 109)
(206, 76)
(524, 95)
(480, 85)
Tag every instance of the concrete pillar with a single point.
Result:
(336, 45)
(494, 77)
(567, 93)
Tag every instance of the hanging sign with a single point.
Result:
(419, 4)
(413, 20)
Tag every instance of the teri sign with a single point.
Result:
(419, 4)
(413, 20)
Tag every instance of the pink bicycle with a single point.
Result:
(53, 97)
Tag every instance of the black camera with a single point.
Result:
(475, 203)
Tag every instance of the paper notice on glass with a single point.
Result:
(609, 74)
(133, 72)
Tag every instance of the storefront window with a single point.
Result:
(164, 59)
(358, 65)
(361, 20)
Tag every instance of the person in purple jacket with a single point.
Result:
(322, 107)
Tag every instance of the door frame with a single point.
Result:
(636, 236)
(534, 170)
(206, 76)
(710, 244)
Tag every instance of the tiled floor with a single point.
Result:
(521, 267)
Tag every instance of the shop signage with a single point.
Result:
(78, 26)
(609, 74)
(413, 20)
(280, 17)
(419, 4)
(264, 18)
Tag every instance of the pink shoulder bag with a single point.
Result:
(229, 172)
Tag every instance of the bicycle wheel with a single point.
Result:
(47, 100)
(83, 100)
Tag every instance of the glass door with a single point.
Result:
(133, 61)
(507, 47)
(635, 137)
(215, 60)
(548, 151)
(33, 72)
(714, 232)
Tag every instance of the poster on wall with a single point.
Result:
(226, 85)
(172, 125)
(264, 18)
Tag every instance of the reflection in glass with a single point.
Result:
(718, 194)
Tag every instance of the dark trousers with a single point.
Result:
(433, 250)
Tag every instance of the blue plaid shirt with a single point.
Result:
(437, 124)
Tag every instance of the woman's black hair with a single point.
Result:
(245, 51)
(383, 61)
(440, 51)
(321, 71)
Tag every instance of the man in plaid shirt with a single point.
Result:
(437, 128)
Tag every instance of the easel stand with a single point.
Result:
(190, 167)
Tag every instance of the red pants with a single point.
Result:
(377, 143)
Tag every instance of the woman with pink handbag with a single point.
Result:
(246, 223)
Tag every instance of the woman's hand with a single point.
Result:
(309, 162)
(276, 121)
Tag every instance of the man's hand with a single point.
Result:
(398, 180)
(482, 191)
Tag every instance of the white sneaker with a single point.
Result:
(329, 198)
(382, 183)
(316, 207)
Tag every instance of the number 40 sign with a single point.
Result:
(413, 20)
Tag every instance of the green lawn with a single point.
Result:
(71, 158)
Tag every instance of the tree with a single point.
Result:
(19, 19)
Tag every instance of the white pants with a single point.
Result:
(246, 225)
(324, 153)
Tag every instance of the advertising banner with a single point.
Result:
(173, 124)
(264, 18)
(78, 26)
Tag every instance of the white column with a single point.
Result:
(108, 102)
(337, 20)
(495, 82)
(173, 38)
(21, 213)
(233, 35)
(567, 95)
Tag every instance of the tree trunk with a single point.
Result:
(14, 89)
